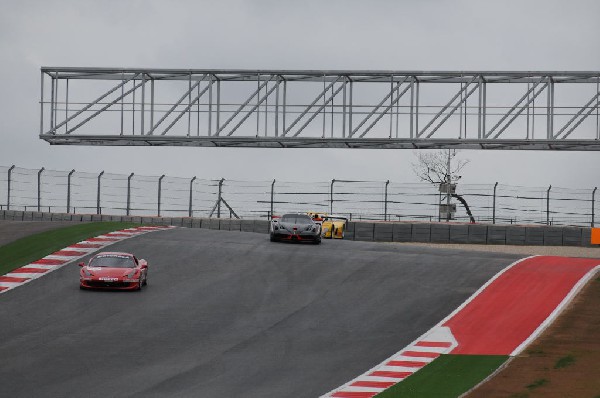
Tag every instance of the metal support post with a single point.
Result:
(129, 193)
(272, 196)
(39, 189)
(160, 191)
(8, 188)
(98, 208)
(385, 217)
(190, 211)
(69, 190)
(331, 197)
(220, 197)
(448, 182)
(593, 204)
(548, 205)
(494, 204)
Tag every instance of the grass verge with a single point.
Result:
(447, 376)
(34, 247)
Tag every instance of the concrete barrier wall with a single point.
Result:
(359, 230)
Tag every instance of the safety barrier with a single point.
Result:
(529, 235)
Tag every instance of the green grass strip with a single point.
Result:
(34, 247)
(447, 376)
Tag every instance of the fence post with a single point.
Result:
(220, 198)
(548, 205)
(159, 191)
(331, 197)
(69, 190)
(385, 216)
(39, 189)
(494, 204)
(593, 204)
(272, 195)
(191, 185)
(129, 192)
(8, 188)
(98, 208)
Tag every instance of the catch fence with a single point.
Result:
(140, 195)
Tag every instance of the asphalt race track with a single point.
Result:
(230, 314)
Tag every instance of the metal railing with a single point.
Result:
(132, 194)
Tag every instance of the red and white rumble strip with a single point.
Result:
(58, 259)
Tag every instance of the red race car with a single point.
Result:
(113, 270)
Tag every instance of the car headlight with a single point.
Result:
(131, 274)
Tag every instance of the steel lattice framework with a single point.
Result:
(321, 109)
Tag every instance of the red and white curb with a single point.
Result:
(56, 260)
(441, 339)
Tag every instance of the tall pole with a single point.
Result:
(39, 189)
(129, 192)
(448, 182)
(98, 208)
(159, 191)
(548, 205)
(385, 216)
(220, 197)
(593, 204)
(190, 211)
(69, 190)
(494, 204)
(272, 196)
(331, 197)
(8, 188)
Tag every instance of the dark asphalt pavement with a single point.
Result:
(230, 314)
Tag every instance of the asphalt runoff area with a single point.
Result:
(231, 314)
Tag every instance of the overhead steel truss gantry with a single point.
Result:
(321, 108)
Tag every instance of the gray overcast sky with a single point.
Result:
(273, 34)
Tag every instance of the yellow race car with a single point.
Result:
(332, 226)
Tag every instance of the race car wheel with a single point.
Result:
(272, 238)
(139, 286)
(146, 281)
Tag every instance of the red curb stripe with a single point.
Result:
(85, 246)
(12, 279)
(25, 270)
(393, 375)
(68, 253)
(112, 234)
(407, 364)
(3, 288)
(49, 261)
(513, 306)
(439, 344)
(355, 394)
(420, 354)
(102, 239)
(375, 384)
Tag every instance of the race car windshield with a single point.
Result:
(113, 262)
(296, 219)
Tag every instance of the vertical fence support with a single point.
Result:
(548, 205)
(98, 208)
(593, 204)
(159, 191)
(272, 196)
(39, 189)
(69, 190)
(385, 211)
(8, 187)
(190, 211)
(494, 204)
(220, 197)
(331, 197)
(129, 193)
